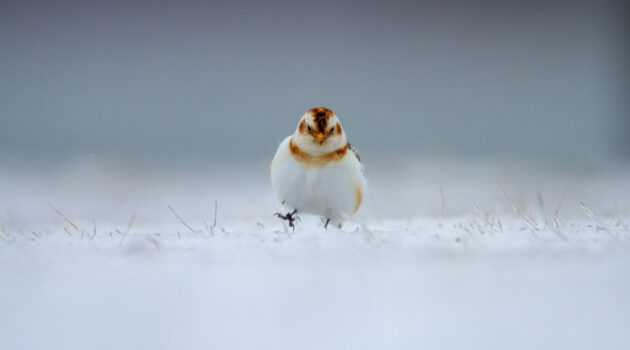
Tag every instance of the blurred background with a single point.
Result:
(208, 82)
(114, 108)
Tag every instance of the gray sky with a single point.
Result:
(209, 82)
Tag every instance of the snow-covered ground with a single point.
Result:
(442, 254)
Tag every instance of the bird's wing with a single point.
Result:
(354, 150)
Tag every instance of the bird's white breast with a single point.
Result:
(334, 190)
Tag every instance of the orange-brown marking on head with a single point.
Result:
(321, 116)
(302, 127)
(358, 197)
(308, 160)
(327, 112)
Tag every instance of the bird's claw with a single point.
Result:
(290, 217)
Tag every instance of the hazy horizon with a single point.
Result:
(137, 81)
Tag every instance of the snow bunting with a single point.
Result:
(316, 171)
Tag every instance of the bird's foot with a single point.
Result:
(290, 217)
(328, 221)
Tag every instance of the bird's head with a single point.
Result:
(319, 131)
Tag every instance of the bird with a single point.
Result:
(316, 171)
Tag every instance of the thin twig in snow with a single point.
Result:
(155, 243)
(133, 218)
(554, 217)
(93, 224)
(596, 218)
(481, 213)
(181, 220)
(531, 216)
(367, 234)
(64, 217)
(515, 209)
(541, 204)
(209, 229)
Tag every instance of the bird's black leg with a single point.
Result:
(326, 224)
(290, 217)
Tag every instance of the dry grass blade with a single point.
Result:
(481, 213)
(531, 216)
(94, 234)
(367, 235)
(525, 220)
(554, 217)
(133, 218)
(154, 242)
(596, 218)
(209, 229)
(181, 220)
(64, 217)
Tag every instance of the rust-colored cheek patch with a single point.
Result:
(358, 198)
(338, 129)
(302, 127)
(309, 160)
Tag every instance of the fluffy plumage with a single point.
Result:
(316, 171)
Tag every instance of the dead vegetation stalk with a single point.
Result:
(530, 225)
(483, 214)
(181, 220)
(133, 218)
(64, 217)
(554, 217)
(596, 218)
(94, 234)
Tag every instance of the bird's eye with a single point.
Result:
(332, 129)
(309, 129)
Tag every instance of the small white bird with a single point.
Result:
(316, 171)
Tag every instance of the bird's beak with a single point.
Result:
(320, 137)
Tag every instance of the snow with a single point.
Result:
(408, 273)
